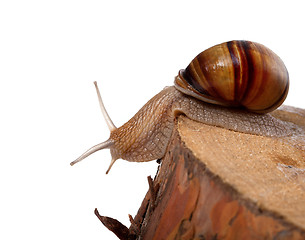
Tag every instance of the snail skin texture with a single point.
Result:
(232, 85)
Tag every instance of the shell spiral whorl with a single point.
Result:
(237, 73)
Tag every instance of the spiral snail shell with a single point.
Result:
(245, 77)
(237, 73)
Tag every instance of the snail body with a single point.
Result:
(242, 78)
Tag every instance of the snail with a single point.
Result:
(233, 85)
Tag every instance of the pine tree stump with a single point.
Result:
(214, 183)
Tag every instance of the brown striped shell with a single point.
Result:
(239, 74)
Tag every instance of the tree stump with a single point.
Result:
(214, 183)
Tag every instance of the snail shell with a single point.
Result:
(237, 74)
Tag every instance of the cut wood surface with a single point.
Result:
(215, 183)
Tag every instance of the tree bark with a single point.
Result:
(214, 183)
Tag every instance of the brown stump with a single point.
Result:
(218, 184)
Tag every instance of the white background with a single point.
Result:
(50, 54)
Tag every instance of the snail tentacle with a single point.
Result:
(107, 118)
(100, 146)
(110, 165)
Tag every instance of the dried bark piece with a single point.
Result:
(120, 230)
